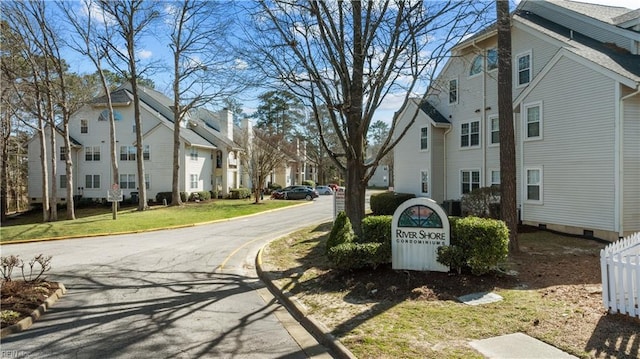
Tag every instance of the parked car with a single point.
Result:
(280, 193)
(324, 190)
(301, 192)
(333, 186)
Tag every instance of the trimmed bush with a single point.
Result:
(200, 196)
(309, 183)
(372, 249)
(351, 255)
(240, 193)
(479, 244)
(160, 196)
(482, 202)
(386, 203)
(341, 232)
(376, 229)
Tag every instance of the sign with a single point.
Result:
(420, 226)
(114, 194)
(338, 203)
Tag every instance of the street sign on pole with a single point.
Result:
(114, 195)
(338, 203)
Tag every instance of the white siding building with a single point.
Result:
(576, 78)
(208, 162)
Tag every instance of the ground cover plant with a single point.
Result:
(553, 293)
(98, 220)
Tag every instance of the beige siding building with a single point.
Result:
(576, 90)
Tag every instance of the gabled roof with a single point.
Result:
(118, 97)
(434, 114)
(605, 55)
(604, 13)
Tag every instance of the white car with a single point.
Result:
(324, 190)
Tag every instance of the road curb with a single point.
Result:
(27, 322)
(148, 230)
(316, 328)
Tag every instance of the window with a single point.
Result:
(495, 178)
(470, 134)
(533, 118)
(424, 180)
(84, 126)
(127, 153)
(476, 65)
(453, 91)
(63, 181)
(134, 127)
(492, 59)
(494, 136)
(523, 62)
(470, 181)
(423, 137)
(193, 183)
(147, 181)
(194, 153)
(104, 116)
(128, 181)
(92, 181)
(146, 153)
(219, 159)
(63, 153)
(92, 153)
(534, 184)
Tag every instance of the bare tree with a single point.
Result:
(508, 209)
(262, 155)
(131, 19)
(349, 57)
(90, 40)
(204, 69)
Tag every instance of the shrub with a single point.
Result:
(370, 250)
(376, 229)
(479, 244)
(240, 193)
(386, 203)
(350, 255)
(482, 202)
(341, 232)
(309, 183)
(161, 196)
(200, 196)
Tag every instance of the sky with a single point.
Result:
(155, 50)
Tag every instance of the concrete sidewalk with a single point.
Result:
(517, 346)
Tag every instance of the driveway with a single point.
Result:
(183, 293)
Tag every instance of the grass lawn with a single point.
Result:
(381, 313)
(98, 220)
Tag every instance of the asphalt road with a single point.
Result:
(183, 293)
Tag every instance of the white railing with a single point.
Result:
(620, 266)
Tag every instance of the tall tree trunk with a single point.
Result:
(54, 168)
(45, 170)
(508, 209)
(4, 174)
(71, 213)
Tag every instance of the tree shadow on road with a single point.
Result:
(123, 312)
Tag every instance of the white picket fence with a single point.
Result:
(620, 266)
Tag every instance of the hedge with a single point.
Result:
(479, 244)
(309, 183)
(386, 203)
(240, 193)
(160, 196)
(200, 196)
(341, 232)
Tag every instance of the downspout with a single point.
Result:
(444, 143)
(483, 114)
(619, 161)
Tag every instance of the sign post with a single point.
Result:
(114, 195)
(338, 203)
(420, 226)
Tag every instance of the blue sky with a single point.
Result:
(154, 50)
